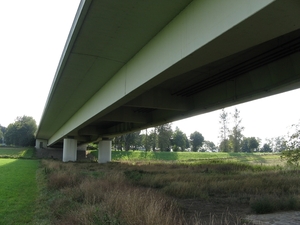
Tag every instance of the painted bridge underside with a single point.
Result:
(132, 64)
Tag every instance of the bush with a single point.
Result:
(292, 157)
(270, 204)
(263, 205)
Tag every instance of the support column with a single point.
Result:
(70, 150)
(104, 151)
(40, 143)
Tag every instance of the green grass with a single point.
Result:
(190, 157)
(25, 152)
(18, 191)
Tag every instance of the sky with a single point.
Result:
(32, 38)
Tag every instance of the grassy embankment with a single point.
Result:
(168, 188)
(18, 188)
(195, 157)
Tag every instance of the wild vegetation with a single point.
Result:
(203, 191)
(147, 188)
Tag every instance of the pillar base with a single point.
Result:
(70, 150)
(104, 151)
(40, 143)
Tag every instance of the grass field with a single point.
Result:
(26, 153)
(189, 157)
(18, 190)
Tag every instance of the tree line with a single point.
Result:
(159, 138)
(163, 138)
(20, 133)
(233, 140)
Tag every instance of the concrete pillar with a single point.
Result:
(104, 151)
(70, 150)
(40, 143)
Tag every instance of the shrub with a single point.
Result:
(263, 205)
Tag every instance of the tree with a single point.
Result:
(208, 146)
(118, 142)
(164, 136)
(249, 144)
(224, 120)
(196, 140)
(152, 139)
(1, 136)
(235, 138)
(21, 132)
(145, 140)
(179, 140)
(292, 152)
(266, 148)
(131, 140)
(280, 144)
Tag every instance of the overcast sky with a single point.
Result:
(33, 34)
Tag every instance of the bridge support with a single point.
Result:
(70, 150)
(104, 151)
(40, 143)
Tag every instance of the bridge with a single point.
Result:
(128, 65)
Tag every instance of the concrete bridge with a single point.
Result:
(128, 65)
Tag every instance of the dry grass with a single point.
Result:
(146, 193)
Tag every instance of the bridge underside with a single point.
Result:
(101, 96)
(263, 70)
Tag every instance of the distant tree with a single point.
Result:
(235, 137)
(1, 136)
(224, 145)
(164, 136)
(224, 142)
(2, 132)
(179, 140)
(187, 141)
(3, 129)
(292, 152)
(208, 146)
(21, 132)
(279, 144)
(196, 140)
(118, 142)
(266, 148)
(249, 144)
(131, 140)
(152, 139)
(145, 140)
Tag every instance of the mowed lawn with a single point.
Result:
(18, 190)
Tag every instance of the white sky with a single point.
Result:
(33, 34)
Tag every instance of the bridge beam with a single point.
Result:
(167, 54)
(167, 101)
